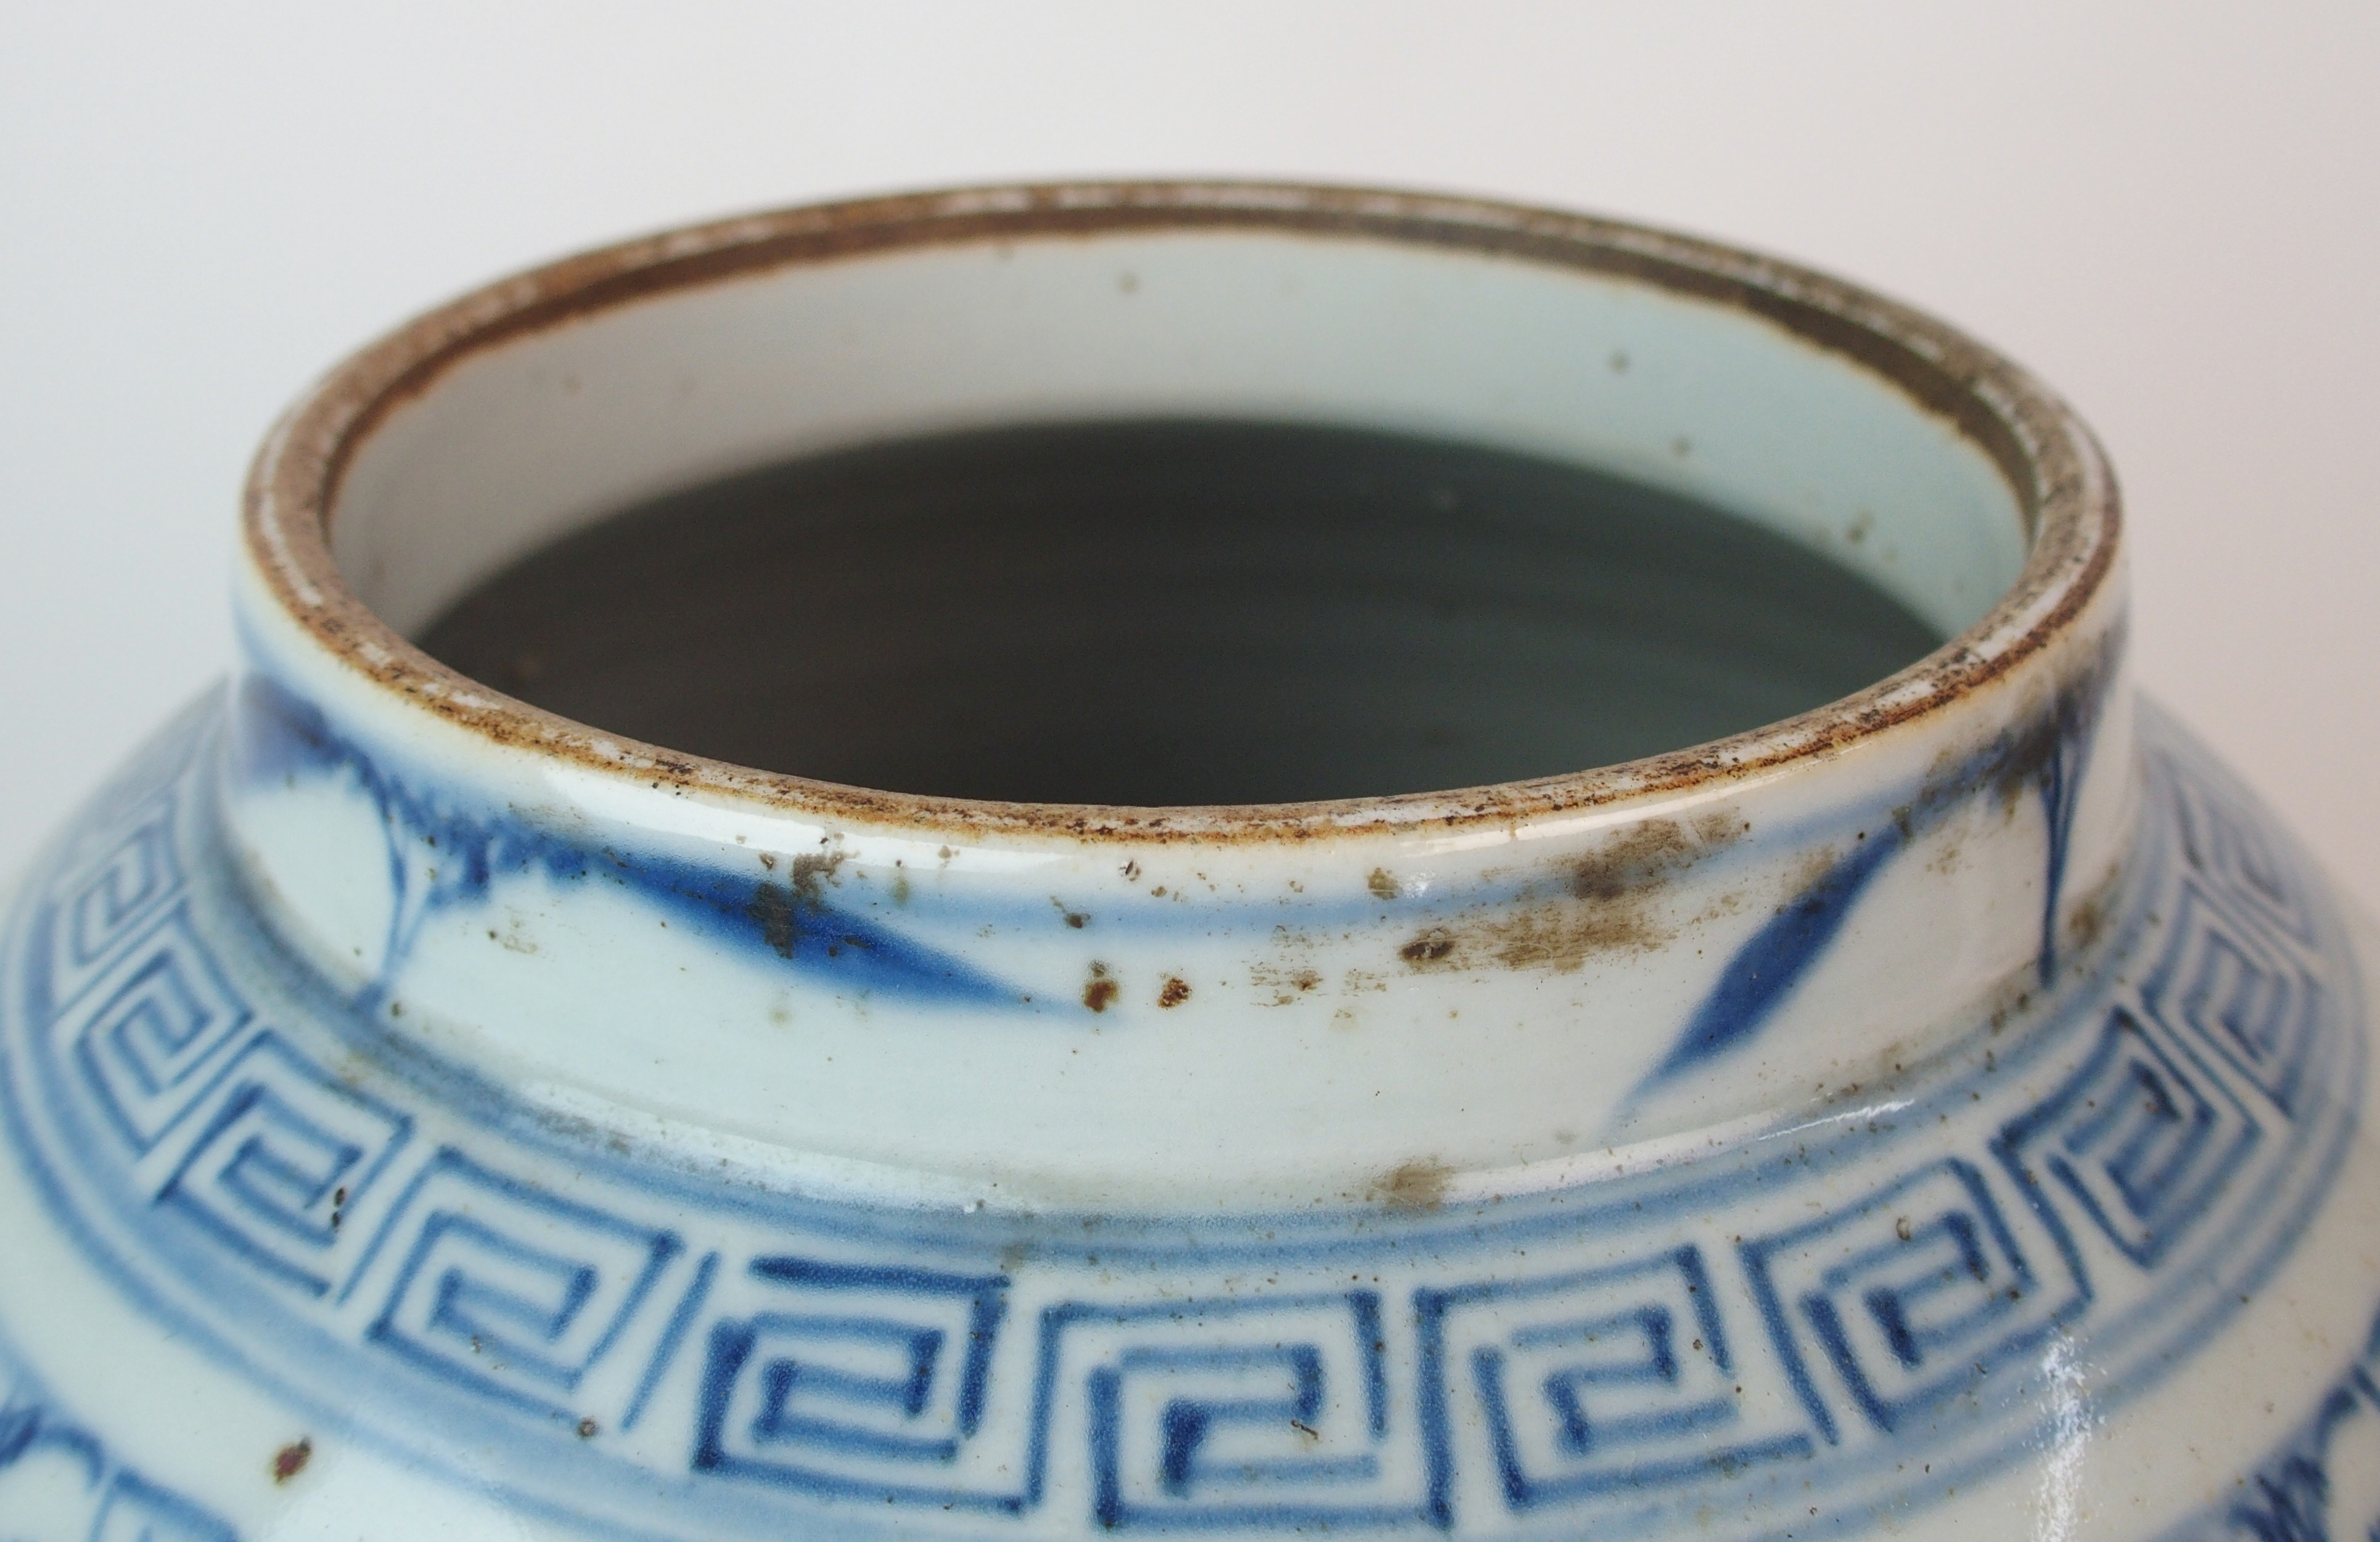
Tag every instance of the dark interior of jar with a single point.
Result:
(1175, 612)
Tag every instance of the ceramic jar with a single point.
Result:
(1936, 1113)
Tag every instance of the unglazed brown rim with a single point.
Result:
(2047, 456)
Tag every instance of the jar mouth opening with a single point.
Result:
(525, 413)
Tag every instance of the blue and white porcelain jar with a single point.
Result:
(1937, 1112)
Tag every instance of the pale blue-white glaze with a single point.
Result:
(1810, 1315)
(1944, 1113)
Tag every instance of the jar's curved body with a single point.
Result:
(2059, 1258)
(1945, 1114)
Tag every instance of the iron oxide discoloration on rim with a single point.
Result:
(2060, 481)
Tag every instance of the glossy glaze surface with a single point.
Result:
(418, 1268)
(1939, 1111)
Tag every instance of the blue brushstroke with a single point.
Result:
(441, 858)
(2049, 754)
(2057, 779)
(1776, 958)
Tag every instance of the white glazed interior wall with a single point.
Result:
(524, 442)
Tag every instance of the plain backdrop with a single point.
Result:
(2168, 210)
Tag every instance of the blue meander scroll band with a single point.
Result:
(1791, 1322)
(57, 1469)
(2319, 1484)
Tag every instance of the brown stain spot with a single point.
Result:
(1173, 992)
(2089, 920)
(811, 871)
(1814, 869)
(1562, 941)
(1098, 992)
(1726, 905)
(586, 1428)
(1608, 902)
(1289, 973)
(2087, 923)
(774, 908)
(1285, 982)
(1431, 947)
(1383, 884)
(1419, 1184)
(781, 908)
(291, 1459)
(1639, 856)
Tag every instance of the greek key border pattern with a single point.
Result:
(2321, 1484)
(54, 1468)
(735, 1370)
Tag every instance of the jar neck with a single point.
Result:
(1386, 1010)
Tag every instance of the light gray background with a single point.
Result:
(2168, 210)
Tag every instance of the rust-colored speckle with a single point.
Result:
(1285, 980)
(1100, 991)
(1433, 946)
(1419, 1184)
(1288, 972)
(1642, 854)
(774, 908)
(1607, 901)
(780, 909)
(812, 870)
(1563, 939)
(588, 1428)
(2087, 923)
(291, 1459)
(1173, 992)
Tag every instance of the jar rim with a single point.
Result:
(2060, 478)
